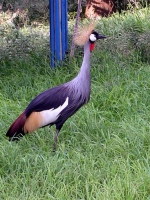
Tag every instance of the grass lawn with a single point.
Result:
(103, 152)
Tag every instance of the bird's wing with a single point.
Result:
(49, 99)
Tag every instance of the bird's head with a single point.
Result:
(86, 33)
(93, 37)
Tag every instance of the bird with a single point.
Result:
(55, 105)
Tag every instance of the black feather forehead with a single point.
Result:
(83, 33)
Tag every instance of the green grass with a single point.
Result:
(103, 152)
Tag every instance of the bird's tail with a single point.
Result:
(16, 129)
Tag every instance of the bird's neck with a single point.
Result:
(82, 81)
(85, 67)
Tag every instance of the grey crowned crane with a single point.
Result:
(56, 105)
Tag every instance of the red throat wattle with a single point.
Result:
(92, 47)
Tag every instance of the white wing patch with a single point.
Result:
(51, 115)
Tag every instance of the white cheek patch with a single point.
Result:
(51, 115)
(92, 38)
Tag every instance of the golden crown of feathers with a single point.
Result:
(83, 33)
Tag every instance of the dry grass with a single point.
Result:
(22, 42)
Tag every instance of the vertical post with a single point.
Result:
(64, 25)
(52, 32)
(58, 30)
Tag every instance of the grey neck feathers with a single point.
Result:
(85, 68)
(81, 83)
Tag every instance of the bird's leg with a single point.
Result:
(55, 140)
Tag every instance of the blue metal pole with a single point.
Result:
(64, 28)
(66, 25)
(58, 30)
(52, 33)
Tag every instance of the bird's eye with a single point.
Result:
(92, 37)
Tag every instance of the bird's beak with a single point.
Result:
(101, 36)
